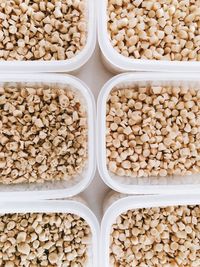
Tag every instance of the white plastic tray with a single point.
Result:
(119, 63)
(63, 206)
(135, 202)
(69, 65)
(52, 190)
(151, 185)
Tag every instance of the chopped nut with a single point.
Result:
(48, 30)
(11, 225)
(53, 258)
(2, 164)
(43, 134)
(40, 239)
(24, 248)
(148, 30)
(152, 134)
(153, 237)
(9, 264)
(39, 123)
(21, 237)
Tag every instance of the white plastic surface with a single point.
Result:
(97, 190)
(119, 63)
(136, 202)
(68, 65)
(59, 189)
(110, 198)
(149, 185)
(63, 206)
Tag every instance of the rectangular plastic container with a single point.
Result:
(117, 204)
(69, 65)
(64, 206)
(116, 62)
(151, 185)
(59, 189)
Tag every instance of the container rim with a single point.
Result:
(122, 63)
(101, 124)
(89, 98)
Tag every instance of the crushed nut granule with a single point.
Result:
(161, 237)
(153, 131)
(158, 30)
(43, 133)
(42, 30)
(44, 239)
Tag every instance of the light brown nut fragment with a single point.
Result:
(51, 30)
(24, 248)
(9, 264)
(43, 133)
(152, 133)
(66, 237)
(53, 258)
(148, 30)
(149, 236)
(21, 237)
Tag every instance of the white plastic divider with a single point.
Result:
(147, 185)
(68, 65)
(61, 206)
(58, 189)
(125, 203)
(119, 63)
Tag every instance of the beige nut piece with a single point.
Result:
(151, 135)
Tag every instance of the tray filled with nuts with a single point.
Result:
(46, 136)
(150, 35)
(149, 133)
(46, 36)
(151, 231)
(48, 233)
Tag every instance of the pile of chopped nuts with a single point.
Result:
(153, 131)
(43, 133)
(162, 237)
(39, 239)
(158, 30)
(42, 30)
